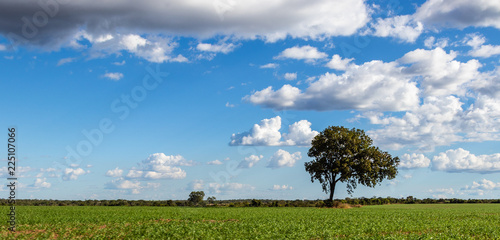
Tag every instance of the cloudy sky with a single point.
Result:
(152, 100)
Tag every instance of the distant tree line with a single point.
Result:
(211, 202)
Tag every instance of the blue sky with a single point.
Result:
(114, 100)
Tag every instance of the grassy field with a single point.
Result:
(440, 221)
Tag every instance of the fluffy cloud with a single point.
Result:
(196, 185)
(267, 133)
(167, 172)
(158, 160)
(442, 75)
(373, 85)
(41, 183)
(483, 185)
(478, 47)
(338, 63)
(250, 161)
(268, 20)
(216, 48)
(460, 160)
(73, 173)
(435, 14)
(270, 65)
(119, 63)
(459, 13)
(485, 51)
(156, 166)
(488, 87)
(442, 192)
(124, 184)
(117, 172)
(299, 134)
(161, 166)
(132, 173)
(402, 27)
(290, 76)
(431, 42)
(282, 158)
(438, 121)
(414, 161)
(214, 162)
(132, 186)
(432, 124)
(115, 76)
(282, 187)
(307, 53)
(152, 48)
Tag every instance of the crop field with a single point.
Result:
(399, 221)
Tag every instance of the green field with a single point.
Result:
(421, 221)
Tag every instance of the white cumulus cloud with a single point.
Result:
(438, 121)
(459, 13)
(270, 65)
(282, 158)
(484, 184)
(290, 76)
(196, 185)
(299, 134)
(403, 27)
(115, 76)
(117, 172)
(307, 53)
(151, 48)
(250, 161)
(160, 166)
(73, 173)
(414, 161)
(338, 63)
(441, 73)
(131, 186)
(267, 133)
(41, 183)
(479, 49)
(460, 160)
(216, 48)
(214, 162)
(373, 85)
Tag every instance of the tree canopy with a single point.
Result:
(196, 197)
(347, 155)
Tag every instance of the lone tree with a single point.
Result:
(196, 197)
(348, 156)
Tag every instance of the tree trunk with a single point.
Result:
(332, 189)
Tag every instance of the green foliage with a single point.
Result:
(211, 200)
(347, 155)
(256, 203)
(196, 197)
(397, 221)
